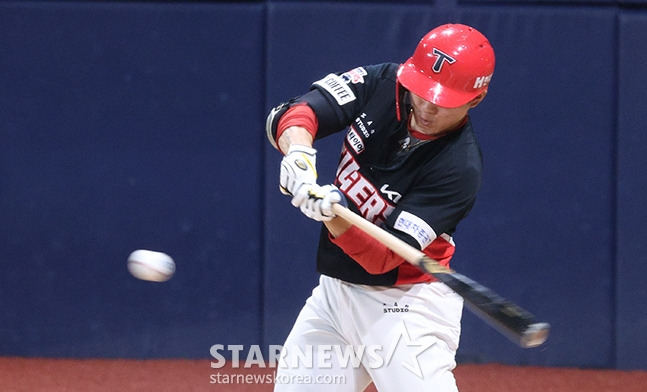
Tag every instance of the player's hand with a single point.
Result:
(298, 167)
(317, 201)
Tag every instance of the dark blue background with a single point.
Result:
(141, 125)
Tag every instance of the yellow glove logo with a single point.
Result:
(304, 163)
(314, 194)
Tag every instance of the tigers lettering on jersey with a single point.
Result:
(360, 191)
(337, 88)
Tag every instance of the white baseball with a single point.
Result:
(150, 265)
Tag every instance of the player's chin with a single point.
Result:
(427, 128)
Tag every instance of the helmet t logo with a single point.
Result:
(442, 57)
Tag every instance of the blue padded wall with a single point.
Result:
(547, 139)
(128, 125)
(119, 130)
(632, 184)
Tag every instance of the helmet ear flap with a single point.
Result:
(400, 96)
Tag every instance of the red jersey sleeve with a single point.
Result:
(374, 257)
(298, 115)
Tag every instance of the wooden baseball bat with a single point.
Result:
(508, 318)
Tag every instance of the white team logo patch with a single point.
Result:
(337, 87)
(416, 228)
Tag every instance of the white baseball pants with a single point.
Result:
(402, 338)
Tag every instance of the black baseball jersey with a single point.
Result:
(418, 190)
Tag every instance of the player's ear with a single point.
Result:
(473, 103)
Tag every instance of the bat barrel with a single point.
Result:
(535, 335)
(513, 321)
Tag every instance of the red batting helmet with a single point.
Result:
(451, 65)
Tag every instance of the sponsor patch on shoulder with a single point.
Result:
(354, 75)
(337, 87)
(416, 228)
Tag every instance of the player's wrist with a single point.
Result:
(304, 148)
(294, 136)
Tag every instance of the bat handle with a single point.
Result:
(401, 248)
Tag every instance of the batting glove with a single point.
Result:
(298, 167)
(318, 201)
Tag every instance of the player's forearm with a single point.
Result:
(372, 255)
(294, 135)
(337, 226)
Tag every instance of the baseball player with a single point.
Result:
(410, 163)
